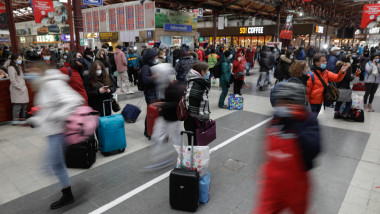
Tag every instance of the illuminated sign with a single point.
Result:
(374, 30)
(251, 30)
(46, 38)
(22, 39)
(91, 35)
(319, 29)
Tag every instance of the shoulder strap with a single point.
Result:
(68, 68)
(312, 76)
(324, 83)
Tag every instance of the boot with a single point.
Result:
(370, 109)
(365, 108)
(67, 198)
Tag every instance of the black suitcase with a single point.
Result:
(184, 185)
(82, 155)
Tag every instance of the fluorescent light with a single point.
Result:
(63, 1)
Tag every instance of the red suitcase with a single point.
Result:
(151, 115)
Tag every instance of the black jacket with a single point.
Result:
(173, 95)
(149, 85)
(112, 64)
(345, 83)
(284, 68)
(264, 64)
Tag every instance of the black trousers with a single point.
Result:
(191, 125)
(237, 86)
(370, 91)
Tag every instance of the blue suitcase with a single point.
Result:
(111, 133)
(131, 113)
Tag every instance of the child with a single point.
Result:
(292, 142)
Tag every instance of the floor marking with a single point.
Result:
(145, 186)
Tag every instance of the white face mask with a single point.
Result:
(351, 61)
(98, 72)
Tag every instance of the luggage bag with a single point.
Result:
(153, 112)
(359, 86)
(131, 112)
(184, 184)
(111, 133)
(82, 155)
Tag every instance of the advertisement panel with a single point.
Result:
(139, 16)
(95, 20)
(130, 17)
(108, 37)
(371, 16)
(49, 12)
(175, 17)
(121, 18)
(112, 17)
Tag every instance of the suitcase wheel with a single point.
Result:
(122, 150)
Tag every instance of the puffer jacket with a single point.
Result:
(284, 64)
(238, 66)
(149, 86)
(183, 67)
(315, 89)
(57, 100)
(197, 101)
(121, 61)
(264, 62)
(369, 77)
(226, 71)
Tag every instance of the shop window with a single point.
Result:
(241, 41)
(236, 40)
(228, 41)
(261, 40)
(268, 38)
(248, 41)
(254, 40)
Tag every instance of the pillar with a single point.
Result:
(71, 23)
(78, 24)
(309, 39)
(214, 16)
(12, 27)
(278, 9)
(327, 31)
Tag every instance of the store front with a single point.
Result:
(374, 37)
(110, 38)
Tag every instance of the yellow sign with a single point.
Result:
(319, 29)
(107, 37)
(91, 35)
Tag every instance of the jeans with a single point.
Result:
(263, 76)
(148, 99)
(370, 90)
(223, 95)
(19, 110)
(122, 80)
(56, 158)
(316, 108)
(346, 109)
(248, 67)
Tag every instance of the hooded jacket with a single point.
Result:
(148, 58)
(249, 54)
(284, 64)
(226, 71)
(57, 100)
(197, 101)
(238, 66)
(315, 89)
(264, 62)
(121, 61)
(183, 67)
(75, 81)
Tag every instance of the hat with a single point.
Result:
(335, 49)
(227, 53)
(290, 91)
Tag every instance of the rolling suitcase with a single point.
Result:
(153, 111)
(81, 155)
(184, 185)
(131, 112)
(111, 133)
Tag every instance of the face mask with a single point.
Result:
(19, 62)
(351, 61)
(377, 60)
(46, 57)
(230, 56)
(207, 75)
(164, 57)
(98, 72)
(65, 57)
(81, 60)
(291, 57)
(323, 66)
(283, 111)
(155, 62)
(32, 76)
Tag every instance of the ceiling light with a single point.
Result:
(301, 13)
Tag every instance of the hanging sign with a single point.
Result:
(174, 27)
(49, 12)
(251, 30)
(371, 16)
(109, 37)
(3, 17)
(112, 14)
(149, 33)
(93, 2)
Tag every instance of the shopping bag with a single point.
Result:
(344, 95)
(235, 102)
(204, 188)
(201, 155)
(357, 101)
(215, 82)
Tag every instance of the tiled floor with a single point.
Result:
(345, 180)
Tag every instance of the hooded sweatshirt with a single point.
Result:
(149, 86)
(121, 61)
(57, 101)
(197, 101)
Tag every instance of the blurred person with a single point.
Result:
(111, 59)
(300, 53)
(344, 84)
(282, 71)
(57, 101)
(6, 53)
(18, 89)
(315, 88)
(74, 64)
(201, 49)
(63, 59)
(292, 143)
(161, 57)
(53, 54)
(225, 78)
(363, 62)
(333, 59)
(197, 100)
(310, 54)
(372, 81)
(47, 56)
(212, 58)
(3, 73)
(150, 59)
(176, 55)
(264, 63)
(239, 73)
(88, 57)
(250, 53)
(170, 56)
(161, 72)
(133, 66)
(122, 69)
(199, 52)
(99, 87)
(183, 66)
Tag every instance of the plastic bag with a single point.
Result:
(357, 101)
(204, 188)
(215, 82)
(201, 157)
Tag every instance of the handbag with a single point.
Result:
(115, 105)
(182, 112)
(331, 93)
(206, 132)
(240, 75)
(344, 95)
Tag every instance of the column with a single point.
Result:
(11, 26)
(278, 9)
(214, 17)
(327, 31)
(78, 23)
(71, 23)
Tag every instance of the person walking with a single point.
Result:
(57, 101)
(250, 53)
(264, 63)
(122, 69)
(239, 73)
(315, 88)
(372, 81)
(225, 78)
(310, 54)
(18, 89)
(197, 100)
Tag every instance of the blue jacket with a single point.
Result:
(149, 86)
(132, 60)
(331, 63)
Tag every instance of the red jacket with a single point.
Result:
(249, 55)
(76, 81)
(200, 55)
(238, 66)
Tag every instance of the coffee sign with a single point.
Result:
(251, 30)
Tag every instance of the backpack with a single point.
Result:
(140, 83)
(217, 69)
(277, 71)
(182, 112)
(81, 124)
(356, 115)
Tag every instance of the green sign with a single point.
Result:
(81, 42)
(175, 17)
(201, 39)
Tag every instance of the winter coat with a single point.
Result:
(173, 95)
(369, 77)
(200, 55)
(315, 89)
(249, 55)
(183, 67)
(264, 64)
(57, 100)
(226, 71)
(345, 83)
(112, 63)
(331, 63)
(132, 60)
(76, 81)
(149, 86)
(363, 62)
(197, 100)
(301, 54)
(284, 64)
(238, 66)
(18, 89)
(311, 52)
(95, 98)
(121, 61)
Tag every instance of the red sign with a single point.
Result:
(112, 14)
(121, 18)
(95, 16)
(371, 16)
(286, 34)
(2, 7)
(41, 9)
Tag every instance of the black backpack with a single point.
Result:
(277, 72)
(140, 82)
(217, 70)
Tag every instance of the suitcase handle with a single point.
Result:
(104, 107)
(189, 133)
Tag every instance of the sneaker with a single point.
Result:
(261, 88)
(370, 109)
